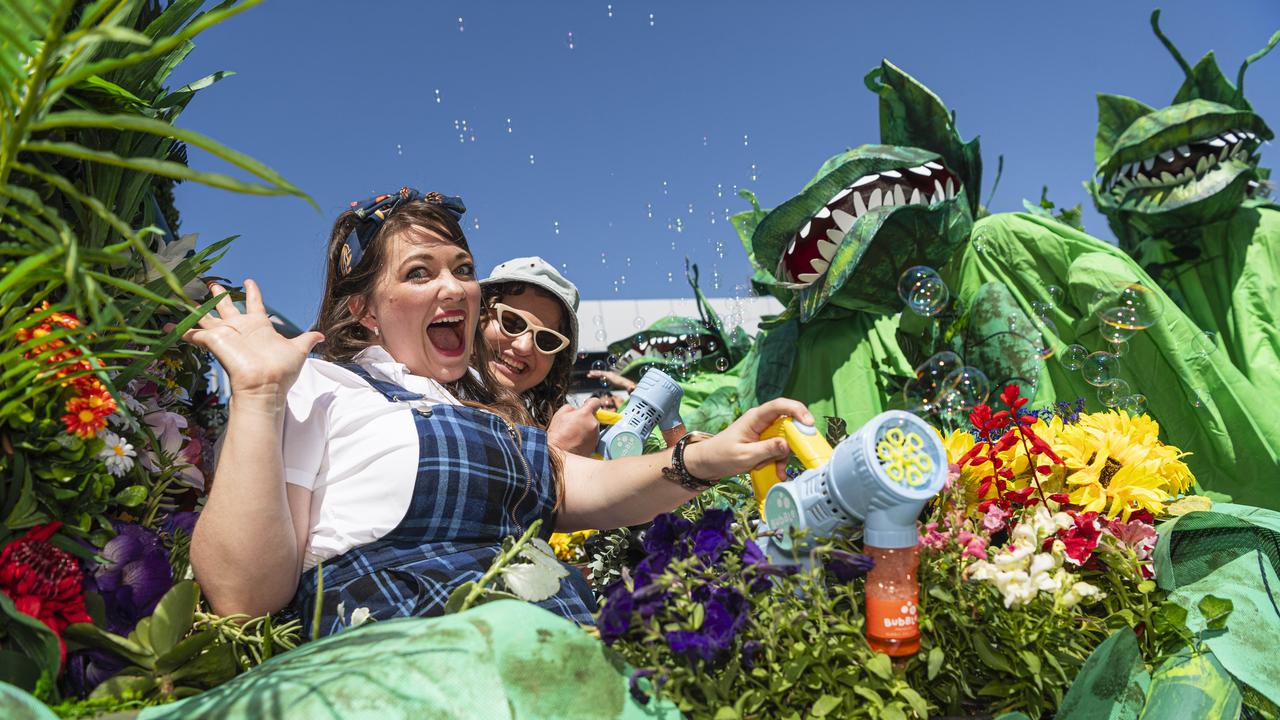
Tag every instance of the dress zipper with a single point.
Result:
(528, 477)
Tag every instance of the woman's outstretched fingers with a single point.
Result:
(253, 298)
(225, 307)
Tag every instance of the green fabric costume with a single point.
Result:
(1182, 190)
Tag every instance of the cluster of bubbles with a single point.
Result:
(1122, 311)
(923, 291)
(943, 385)
(571, 41)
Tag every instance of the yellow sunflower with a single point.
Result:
(1116, 464)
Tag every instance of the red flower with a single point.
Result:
(44, 581)
(1081, 539)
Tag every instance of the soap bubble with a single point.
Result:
(599, 365)
(923, 290)
(1055, 295)
(980, 243)
(1120, 349)
(970, 387)
(1072, 357)
(1100, 368)
(1132, 306)
(930, 383)
(598, 321)
(722, 363)
(1204, 344)
(601, 335)
(1048, 331)
(1135, 404)
(711, 345)
(1114, 392)
(638, 323)
(1041, 307)
(1115, 334)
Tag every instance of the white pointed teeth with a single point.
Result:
(1148, 163)
(1230, 137)
(844, 220)
(840, 196)
(899, 197)
(891, 174)
(859, 206)
(835, 235)
(1217, 142)
(1167, 156)
(873, 200)
(864, 180)
(804, 231)
(939, 192)
(951, 188)
(808, 278)
(922, 170)
(915, 197)
(1184, 150)
(933, 165)
(820, 265)
(827, 249)
(824, 213)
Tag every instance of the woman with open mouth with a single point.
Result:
(394, 463)
(530, 323)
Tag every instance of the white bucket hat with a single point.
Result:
(540, 273)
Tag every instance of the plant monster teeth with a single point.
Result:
(1184, 150)
(859, 206)
(1166, 178)
(824, 213)
(791, 247)
(1148, 163)
(939, 192)
(1167, 156)
(835, 235)
(933, 165)
(1217, 142)
(804, 231)
(1231, 138)
(820, 266)
(873, 200)
(951, 188)
(864, 180)
(899, 197)
(1203, 164)
(840, 195)
(827, 249)
(844, 220)
(915, 197)
(922, 170)
(1224, 152)
(891, 174)
(808, 278)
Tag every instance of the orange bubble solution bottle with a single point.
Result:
(893, 594)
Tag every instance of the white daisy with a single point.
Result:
(117, 453)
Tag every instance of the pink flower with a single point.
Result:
(1081, 539)
(933, 539)
(975, 546)
(953, 474)
(995, 518)
(1139, 535)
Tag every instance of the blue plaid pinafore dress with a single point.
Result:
(475, 485)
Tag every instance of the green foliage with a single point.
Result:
(28, 648)
(1070, 217)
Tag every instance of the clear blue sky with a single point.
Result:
(659, 108)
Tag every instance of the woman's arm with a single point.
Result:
(247, 547)
(601, 494)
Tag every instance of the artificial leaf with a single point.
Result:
(1215, 611)
(880, 666)
(173, 616)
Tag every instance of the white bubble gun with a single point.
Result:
(654, 403)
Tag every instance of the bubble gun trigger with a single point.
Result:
(806, 443)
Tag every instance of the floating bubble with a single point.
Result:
(599, 365)
(1055, 295)
(638, 323)
(601, 335)
(923, 290)
(1114, 392)
(1048, 331)
(1133, 306)
(1072, 357)
(1041, 307)
(1135, 404)
(460, 28)
(930, 383)
(722, 363)
(650, 19)
(530, 159)
(712, 346)
(745, 142)
(570, 41)
(1120, 349)
(598, 321)
(556, 225)
(981, 243)
(609, 9)
(970, 388)
(437, 96)
(1115, 333)
(1100, 368)
(1204, 345)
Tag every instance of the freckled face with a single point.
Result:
(516, 362)
(426, 305)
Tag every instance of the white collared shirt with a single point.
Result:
(356, 451)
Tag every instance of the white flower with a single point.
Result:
(1015, 556)
(117, 453)
(1016, 587)
(1076, 593)
(359, 616)
(537, 579)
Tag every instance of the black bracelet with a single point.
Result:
(679, 472)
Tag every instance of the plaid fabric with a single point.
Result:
(475, 485)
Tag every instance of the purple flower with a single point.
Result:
(86, 669)
(751, 553)
(651, 567)
(649, 600)
(712, 535)
(724, 613)
(751, 652)
(846, 565)
(667, 534)
(638, 693)
(615, 616)
(184, 521)
(133, 577)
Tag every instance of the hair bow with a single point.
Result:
(374, 211)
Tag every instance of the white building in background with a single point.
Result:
(601, 322)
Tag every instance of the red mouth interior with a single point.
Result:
(447, 337)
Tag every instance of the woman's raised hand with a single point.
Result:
(260, 362)
(738, 448)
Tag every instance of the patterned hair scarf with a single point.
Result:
(374, 211)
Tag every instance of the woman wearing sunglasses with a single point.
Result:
(530, 324)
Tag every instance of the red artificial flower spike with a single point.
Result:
(986, 450)
(44, 581)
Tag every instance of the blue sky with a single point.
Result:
(618, 157)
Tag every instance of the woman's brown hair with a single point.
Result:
(344, 336)
(547, 396)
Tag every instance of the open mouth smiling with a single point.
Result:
(810, 251)
(1181, 166)
(445, 333)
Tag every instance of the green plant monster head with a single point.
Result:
(680, 345)
(872, 211)
(1192, 162)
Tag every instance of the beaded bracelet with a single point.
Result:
(678, 472)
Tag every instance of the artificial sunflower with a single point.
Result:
(1116, 464)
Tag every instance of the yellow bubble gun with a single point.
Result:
(806, 443)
